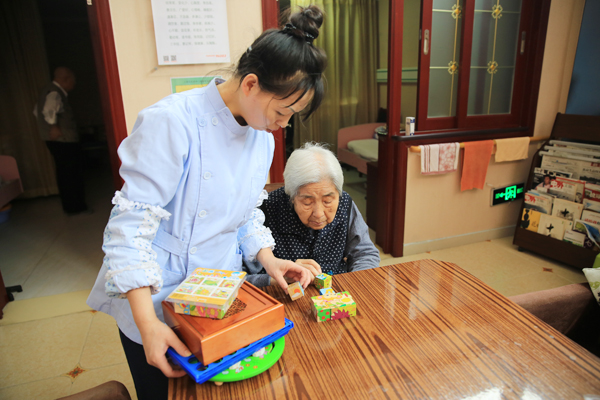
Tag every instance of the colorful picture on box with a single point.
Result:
(210, 282)
(342, 312)
(322, 314)
(202, 291)
(186, 289)
(223, 294)
(196, 280)
(228, 283)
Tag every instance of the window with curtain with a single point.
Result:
(473, 62)
(349, 37)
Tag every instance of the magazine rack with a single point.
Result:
(581, 128)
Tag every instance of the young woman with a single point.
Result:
(194, 168)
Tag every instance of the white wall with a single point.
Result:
(559, 58)
(439, 215)
(143, 82)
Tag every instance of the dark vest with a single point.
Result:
(65, 119)
(294, 240)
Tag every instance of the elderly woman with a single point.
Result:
(313, 221)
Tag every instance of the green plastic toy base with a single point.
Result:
(252, 366)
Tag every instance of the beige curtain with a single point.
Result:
(349, 37)
(23, 72)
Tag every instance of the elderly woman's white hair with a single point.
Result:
(311, 163)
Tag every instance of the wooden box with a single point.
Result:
(212, 339)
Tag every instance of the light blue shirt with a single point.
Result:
(193, 179)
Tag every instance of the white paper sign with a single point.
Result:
(191, 31)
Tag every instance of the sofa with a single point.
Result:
(356, 145)
(572, 310)
(10, 180)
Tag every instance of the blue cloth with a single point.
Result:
(193, 179)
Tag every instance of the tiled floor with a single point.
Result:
(53, 345)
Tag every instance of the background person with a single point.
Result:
(57, 127)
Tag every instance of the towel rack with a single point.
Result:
(534, 139)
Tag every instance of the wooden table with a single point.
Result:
(424, 330)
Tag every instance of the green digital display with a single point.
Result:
(507, 194)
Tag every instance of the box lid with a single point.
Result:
(208, 288)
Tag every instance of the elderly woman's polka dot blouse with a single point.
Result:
(294, 240)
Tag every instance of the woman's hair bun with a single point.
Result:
(308, 19)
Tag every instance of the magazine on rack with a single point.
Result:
(553, 163)
(591, 217)
(567, 209)
(590, 230)
(592, 191)
(563, 190)
(530, 220)
(542, 177)
(575, 145)
(538, 202)
(593, 205)
(579, 187)
(590, 172)
(553, 226)
(570, 153)
(574, 237)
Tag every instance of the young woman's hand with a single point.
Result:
(280, 269)
(156, 336)
(311, 265)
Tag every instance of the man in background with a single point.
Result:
(56, 125)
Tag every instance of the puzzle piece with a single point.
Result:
(295, 290)
(333, 306)
(322, 281)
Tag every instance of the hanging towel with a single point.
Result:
(439, 158)
(475, 164)
(512, 149)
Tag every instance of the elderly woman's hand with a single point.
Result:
(311, 265)
(280, 269)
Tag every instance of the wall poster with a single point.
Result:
(191, 31)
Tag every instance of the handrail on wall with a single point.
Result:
(417, 149)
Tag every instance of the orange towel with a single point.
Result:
(475, 164)
(512, 149)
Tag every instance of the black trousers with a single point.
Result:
(69, 175)
(150, 382)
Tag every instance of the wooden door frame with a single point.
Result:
(388, 175)
(270, 19)
(107, 69)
